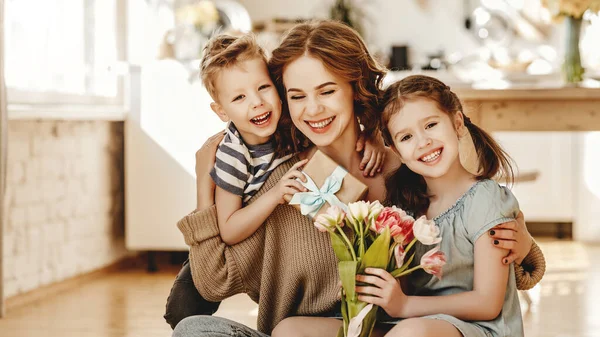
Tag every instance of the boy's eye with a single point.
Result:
(328, 92)
(264, 86)
(237, 98)
(430, 125)
(405, 138)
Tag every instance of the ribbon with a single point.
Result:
(311, 202)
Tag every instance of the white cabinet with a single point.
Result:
(549, 198)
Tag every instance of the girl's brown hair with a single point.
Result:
(344, 53)
(407, 188)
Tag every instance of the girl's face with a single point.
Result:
(425, 137)
(321, 103)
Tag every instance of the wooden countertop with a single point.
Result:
(528, 94)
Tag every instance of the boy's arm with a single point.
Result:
(237, 223)
(483, 303)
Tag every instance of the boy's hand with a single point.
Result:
(288, 185)
(384, 290)
(373, 155)
(205, 161)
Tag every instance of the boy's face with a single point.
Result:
(247, 97)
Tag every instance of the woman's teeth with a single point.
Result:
(431, 157)
(261, 119)
(321, 124)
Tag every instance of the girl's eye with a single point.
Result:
(297, 97)
(237, 98)
(264, 86)
(430, 125)
(328, 92)
(405, 138)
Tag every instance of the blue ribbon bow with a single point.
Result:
(311, 202)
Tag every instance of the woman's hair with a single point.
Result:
(344, 53)
(407, 188)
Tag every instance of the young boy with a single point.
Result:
(234, 72)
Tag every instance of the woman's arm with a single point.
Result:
(205, 161)
(216, 268)
(514, 238)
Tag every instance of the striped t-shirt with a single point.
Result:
(241, 168)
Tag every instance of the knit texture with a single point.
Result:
(532, 268)
(287, 265)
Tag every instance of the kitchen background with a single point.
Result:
(105, 112)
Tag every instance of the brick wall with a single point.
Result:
(65, 201)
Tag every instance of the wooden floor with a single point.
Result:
(131, 303)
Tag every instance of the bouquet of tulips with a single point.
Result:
(368, 235)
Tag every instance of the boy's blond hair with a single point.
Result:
(224, 51)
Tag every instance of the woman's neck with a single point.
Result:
(343, 149)
(447, 189)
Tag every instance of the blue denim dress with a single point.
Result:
(484, 206)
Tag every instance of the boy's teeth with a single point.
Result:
(432, 157)
(321, 124)
(262, 118)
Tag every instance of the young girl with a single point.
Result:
(477, 296)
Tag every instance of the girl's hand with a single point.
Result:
(373, 155)
(384, 291)
(288, 185)
(514, 237)
(205, 161)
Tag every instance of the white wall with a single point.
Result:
(398, 22)
(65, 201)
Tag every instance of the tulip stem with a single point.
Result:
(347, 241)
(408, 271)
(410, 245)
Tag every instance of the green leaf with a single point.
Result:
(354, 307)
(347, 271)
(340, 248)
(344, 307)
(377, 255)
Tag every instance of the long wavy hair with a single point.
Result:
(344, 53)
(407, 188)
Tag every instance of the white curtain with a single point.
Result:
(3, 150)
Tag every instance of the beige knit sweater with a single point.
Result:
(287, 266)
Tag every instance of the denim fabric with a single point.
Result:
(185, 301)
(211, 326)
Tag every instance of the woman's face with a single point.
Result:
(321, 103)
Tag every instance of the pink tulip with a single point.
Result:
(399, 254)
(399, 223)
(433, 261)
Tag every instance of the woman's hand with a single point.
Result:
(514, 237)
(384, 290)
(373, 155)
(205, 161)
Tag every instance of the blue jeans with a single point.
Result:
(211, 326)
(185, 301)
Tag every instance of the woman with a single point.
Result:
(327, 79)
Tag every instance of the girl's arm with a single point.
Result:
(483, 303)
(374, 151)
(237, 223)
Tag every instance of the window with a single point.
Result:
(61, 51)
